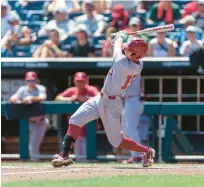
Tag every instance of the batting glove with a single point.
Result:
(121, 34)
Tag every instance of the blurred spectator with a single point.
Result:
(161, 46)
(5, 11)
(51, 47)
(129, 5)
(25, 3)
(71, 5)
(82, 47)
(190, 8)
(94, 22)
(165, 11)
(143, 6)
(192, 43)
(199, 15)
(120, 17)
(49, 7)
(81, 92)
(61, 22)
(17, 34)
(33, 93)
(101, 6)
(186, 21)
(134, 26)
(107, 49)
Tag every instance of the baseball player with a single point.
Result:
(133, 108)
(144, 126)
(81, 92)
(108, 105)
(33, 93)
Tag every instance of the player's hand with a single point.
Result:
(124, 35)
(74, 98)
(27, 100)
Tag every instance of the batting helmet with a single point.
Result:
(138, 47)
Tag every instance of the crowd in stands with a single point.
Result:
(81, 28)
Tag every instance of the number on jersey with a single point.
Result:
(128, 81)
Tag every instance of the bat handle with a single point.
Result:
(131, 33)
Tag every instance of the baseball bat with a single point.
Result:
(163, 28)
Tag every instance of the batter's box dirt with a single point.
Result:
(29, 171)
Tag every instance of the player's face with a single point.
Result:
(80, 83)
(31, 83)
(132, 56)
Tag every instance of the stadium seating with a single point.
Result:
(22, 51)
(32, 16)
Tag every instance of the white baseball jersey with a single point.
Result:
(117, 81)
(134, 88)
(120, 76)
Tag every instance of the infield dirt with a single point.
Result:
(23, 171)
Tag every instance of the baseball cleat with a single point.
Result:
(148, 158)
(59, 161)
(132, 160)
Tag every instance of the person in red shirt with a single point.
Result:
(80, 92)
(120, 17)
(190, 8)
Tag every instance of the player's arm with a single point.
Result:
(117, 42)
(62, 98)
(36, 99)
(67, 95)
(15, 98)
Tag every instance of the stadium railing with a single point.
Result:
(164, 109)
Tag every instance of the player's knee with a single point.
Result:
(115, 142)
(73, 120)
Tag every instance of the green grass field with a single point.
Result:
(160, 175)
(119, 181)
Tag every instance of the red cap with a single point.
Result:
(31, 75)
(80, 76)
(118, 10)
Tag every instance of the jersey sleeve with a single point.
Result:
(95, 91)
(19, 93)
(43, 92)
(117, 50)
